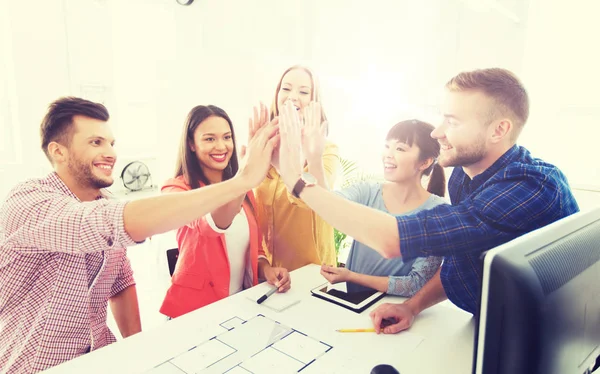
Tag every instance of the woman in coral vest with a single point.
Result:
(220, 254)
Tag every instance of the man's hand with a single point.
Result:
(335, 274)
(400, 315)
(279, 277)
(290, 150)
(313, 133)
(257, 159)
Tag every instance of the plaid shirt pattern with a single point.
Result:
(514, 196)
(60, 261)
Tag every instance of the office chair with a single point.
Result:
(172, 255)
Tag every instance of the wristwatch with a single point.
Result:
(307, 180)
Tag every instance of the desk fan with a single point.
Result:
(135, 176)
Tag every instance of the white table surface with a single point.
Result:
(446, 332)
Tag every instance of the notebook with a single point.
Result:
(278, 301)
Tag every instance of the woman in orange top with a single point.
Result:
(294, 235)
(220, 254)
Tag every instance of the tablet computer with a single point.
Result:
(349, 295)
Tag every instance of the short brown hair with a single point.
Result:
(57, 123)
(502, 86)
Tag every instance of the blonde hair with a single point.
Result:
(503, 87)
(315, 94)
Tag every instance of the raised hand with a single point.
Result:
(257, 159)
(291, 159)
(242, 158)
(259, 119)
(275, 155)
(313, 133)
(334, 274)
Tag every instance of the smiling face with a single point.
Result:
(464, 133)
(90, 156)
(213, 145)
(401, 161)
(296, 86)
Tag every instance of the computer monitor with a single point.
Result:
(540, 301)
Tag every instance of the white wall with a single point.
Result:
(9, 135)
(385, 61)
(150, 61)
(561, 72)
(37, 43)
(587, 199)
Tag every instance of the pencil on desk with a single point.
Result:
(356, 330)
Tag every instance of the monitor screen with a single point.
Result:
(540, 301)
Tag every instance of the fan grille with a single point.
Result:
(135, 175)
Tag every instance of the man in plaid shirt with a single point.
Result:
(498, 190)
(62, 243)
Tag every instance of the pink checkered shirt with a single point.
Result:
(60, 261)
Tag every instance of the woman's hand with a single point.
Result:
(278, 277)
(313, 133)
(260, 119)
(335, 275)
(290, 155)
(256, 159)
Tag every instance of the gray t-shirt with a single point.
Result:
(405, 278)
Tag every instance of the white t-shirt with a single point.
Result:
(237, 240)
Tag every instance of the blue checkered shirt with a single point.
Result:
(514, 196)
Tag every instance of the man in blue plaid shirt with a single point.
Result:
(497, 189)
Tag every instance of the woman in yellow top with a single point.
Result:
(294, 235)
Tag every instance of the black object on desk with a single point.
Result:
(355, 297)
(265, 296)
(384, 369)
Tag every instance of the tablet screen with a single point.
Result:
(350, 292)
(353, 293)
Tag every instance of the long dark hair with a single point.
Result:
(187, 163)
(418, 132)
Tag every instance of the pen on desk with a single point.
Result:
(356, 330)
(265, 296)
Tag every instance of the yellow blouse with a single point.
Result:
(294, 235)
